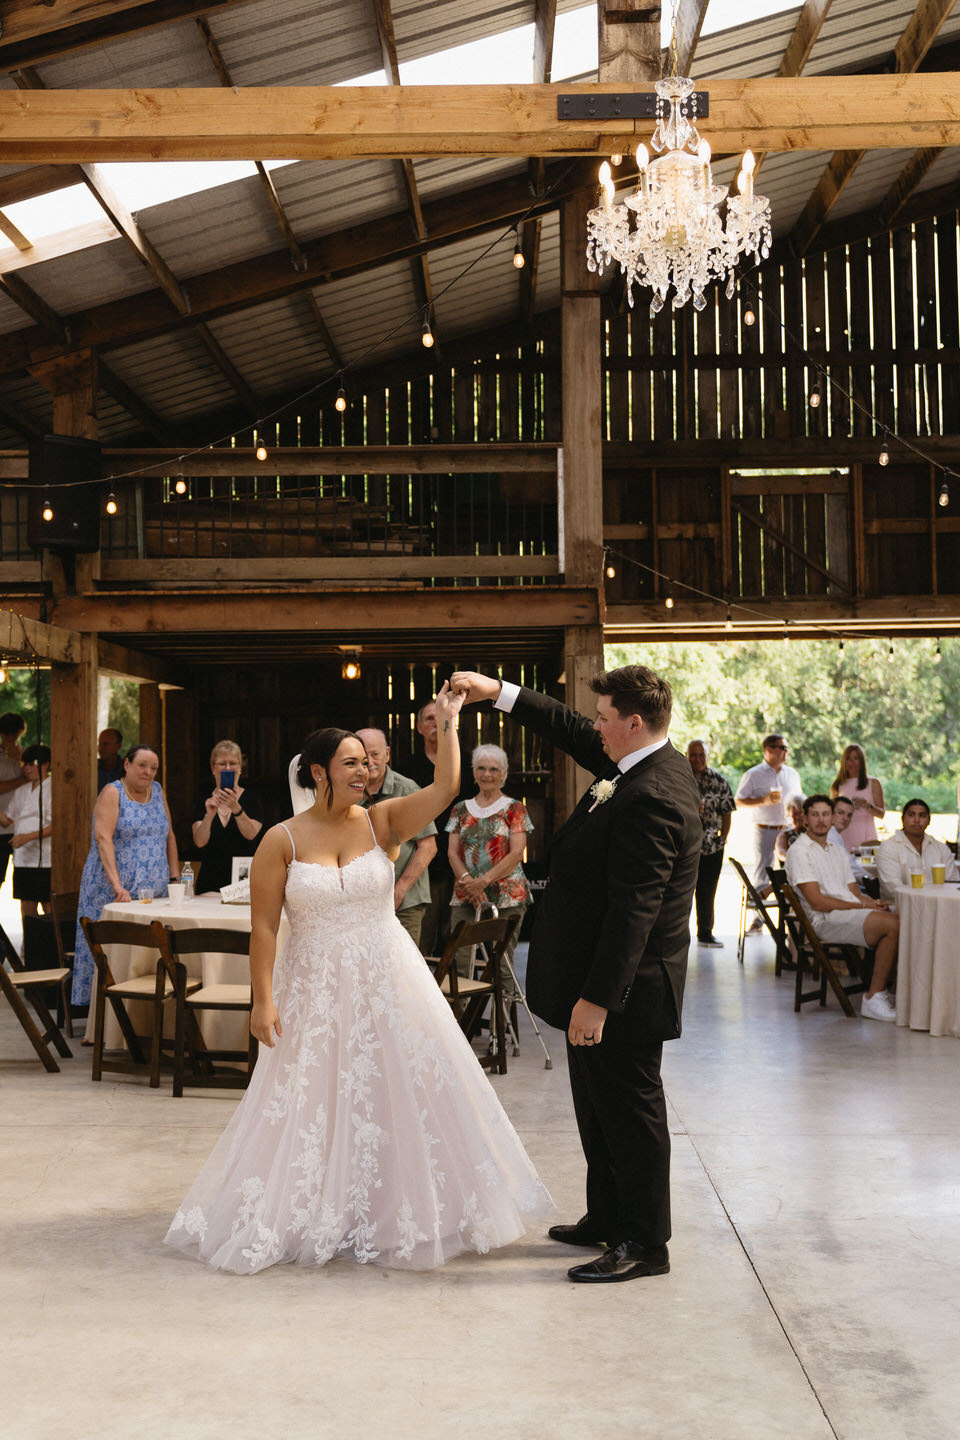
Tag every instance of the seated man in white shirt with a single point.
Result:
(912, 849)
(820, 873)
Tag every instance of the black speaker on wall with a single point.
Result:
(61, 469)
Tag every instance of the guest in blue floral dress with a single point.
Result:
(132, 848)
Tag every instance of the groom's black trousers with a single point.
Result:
(622, 1118)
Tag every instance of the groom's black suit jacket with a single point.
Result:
(613, 924)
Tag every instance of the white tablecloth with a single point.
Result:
(222, 1030)
(928, 969)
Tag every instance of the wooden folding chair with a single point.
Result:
(158, 988)
(190, 1001)
(820, 957)
(64, 908)
(750, 897)
(468, 997)
(18, 983)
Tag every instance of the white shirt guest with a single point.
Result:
(912, 849)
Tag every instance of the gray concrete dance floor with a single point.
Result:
(815, 1288)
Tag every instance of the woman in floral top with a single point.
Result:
(488, 836)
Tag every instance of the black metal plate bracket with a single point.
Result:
(632, 105)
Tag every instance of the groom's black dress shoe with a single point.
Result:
(583, 1233)
(625, 1261)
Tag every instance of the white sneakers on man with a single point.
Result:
(881, 1006)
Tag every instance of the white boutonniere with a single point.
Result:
(601, 791)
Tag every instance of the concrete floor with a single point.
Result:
(815, 1288)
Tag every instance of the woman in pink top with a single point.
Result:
(865, 792)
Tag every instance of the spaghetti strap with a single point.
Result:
(373, 833)
(290, 838)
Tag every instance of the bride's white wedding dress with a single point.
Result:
(369, 1130)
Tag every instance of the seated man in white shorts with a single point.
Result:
(819, 871)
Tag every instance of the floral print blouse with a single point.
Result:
(485, 836)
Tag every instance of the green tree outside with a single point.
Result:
(904, 711)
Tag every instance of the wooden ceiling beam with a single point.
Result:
(247, 283)
(911, 49)
(544, 31)
(806, 32)
(773, 113)
(690, 17)
(126, 226)
(32, 33)
(228, 370)
(216, 610)
(37, 180)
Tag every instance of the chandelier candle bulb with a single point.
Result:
(643, 160)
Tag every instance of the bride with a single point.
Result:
(368, 1130)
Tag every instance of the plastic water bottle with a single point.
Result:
(186, 875)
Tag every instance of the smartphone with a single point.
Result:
(228, 779)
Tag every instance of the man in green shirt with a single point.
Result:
(411, 885)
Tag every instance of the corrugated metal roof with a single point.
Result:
(374, 315)
(275, 347)
(324, 196)
(487, 294)
(90, 277)
(174, 375)
(218, 227)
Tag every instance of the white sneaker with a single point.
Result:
(878, 1007)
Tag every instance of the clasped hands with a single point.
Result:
(222, 797)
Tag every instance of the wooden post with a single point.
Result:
(72, 380)
(583, 658)
(151, 717)
(73, 765)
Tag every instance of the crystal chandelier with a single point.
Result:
(669, 230)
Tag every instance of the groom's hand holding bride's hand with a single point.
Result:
(474, 687)
(449, 702)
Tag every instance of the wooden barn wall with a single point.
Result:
(269, 710)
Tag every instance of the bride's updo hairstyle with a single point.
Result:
(319, 748)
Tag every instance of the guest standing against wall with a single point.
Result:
(716, 808)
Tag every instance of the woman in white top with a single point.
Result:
(28, 810)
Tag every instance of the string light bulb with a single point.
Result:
(943, 494)
(261, 450)
(890, 655)
(610, 571)
(884, 456)
(3, 673)
(749, 316)
(426, 334)
(518, 256)
(47, 511)
(668, 600)
(937, 655)
(180, 485)
(816, 396)
(728, 623)
(350, 666)
(341, 401)
(786, 632)
(616, 158)
(111, 505)
(841, 652)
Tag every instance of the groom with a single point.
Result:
(608, 955)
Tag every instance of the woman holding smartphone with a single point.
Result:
(230, 821)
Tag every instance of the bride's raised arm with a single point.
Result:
(404, 816)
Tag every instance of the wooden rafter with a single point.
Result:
(386, 35)
(690, 17)
(913, 45)
(34, 33)
(544, 30)
(807, 113)
(806, 32)
(129, 400)
(35, 306)
(237, 287)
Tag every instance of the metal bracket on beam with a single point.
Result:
(637, 105)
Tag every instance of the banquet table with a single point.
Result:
(226, 1030)
(928, 967)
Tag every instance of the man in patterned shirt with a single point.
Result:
(716, 807)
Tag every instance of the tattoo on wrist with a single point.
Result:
(446, 726)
